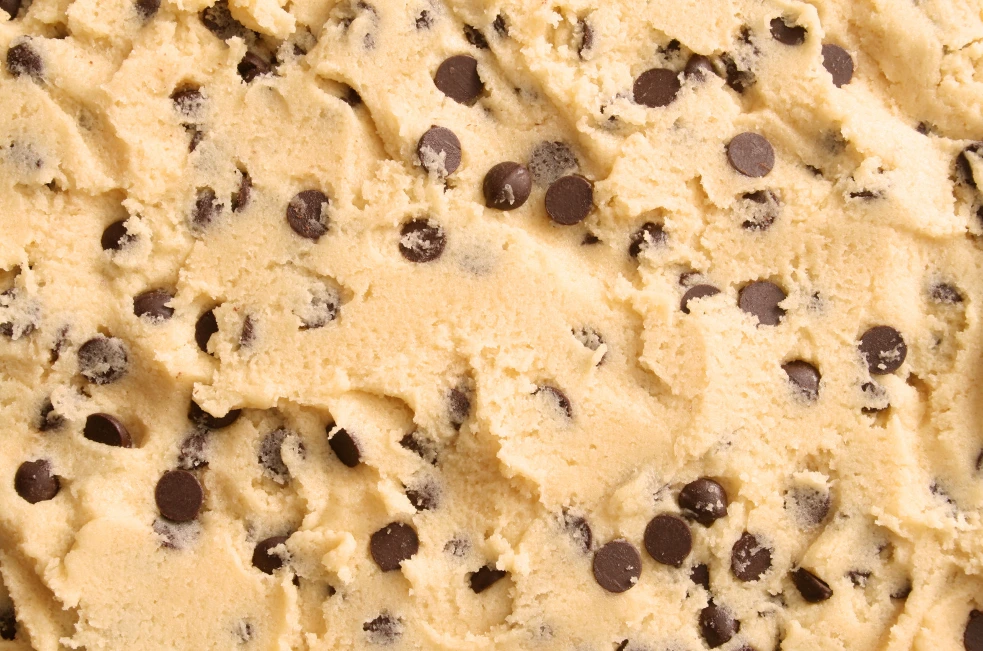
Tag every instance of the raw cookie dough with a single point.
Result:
(494, 325)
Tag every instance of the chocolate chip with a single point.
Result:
(648, 235)
(737, 77)
(876, 396)
(656, 87)
(421, 446)
(700, 575)
(557, 397)
(761, 299)
(884, 349)
(146, 9)
(241, 198)
(271, 456)
(475, 37)
(424, 20)
(838, 63)
(457, 77)
(569, 200)
(108, 430)
(384, 630)
(422, 240)
(193, 451)
(704, 499)
(782, 32)
(485, 578)
(902, 593)
(590, 239)
(751, 154)
(717, 625)
(206, 210)
(699, 68)
(749, 558)
(324, 307)
(425, 496)
(179, 496)
(248, 334)
(264, 558)
(586, 38)
(8, 622)
(973, 635)
(219, 21)
(810, 506)
(439, 151)
(696, 292)
(811, 587)
(34, 481)
(23, 319)
(804, 377)
(617, 566)
(351, 97)
(196, 136)
(116, 237)
(345, 448)
(251, 66)
(964, 170)
(103, 360)
(307, 214)
(50, 420)
(507, 186)
(459, 407)
(579, 530)
(24, 60)
(188, 101)
(153, 305)
(858, 578)
(946, 294)
(11, 7)
(501, 28)
(764, 207)
(393, 544)
(205, 327)
(203, 419)
(550, 161)
(668, 539)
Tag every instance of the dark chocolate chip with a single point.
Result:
(590, 239)
(384, 630)
(717, 625)
(21, 325)
(188, 101)
(761, 299)
(248, 334)
(507, 186)
(219, 21)
(696, 292)
(424, 20)
(50, 419)
(656, 87)
(203, 419)
(501, 28)
(804, 377)
(579, 530)
(193, 453)
(146, 9)
(973, 635)
(617, 566)
(351, 97)
(424, 496)
(196, 136)
(668, 539)
(8, 621)
(24, 60)
(251, 66)
(811, 506)
(763, 207)
(749, 558)
(964, 170)
(884, 349)
(439, 151)
(422, 240)
(271, 455)
(103, 360)
(205, 327)
(811, 587)
(485, 578)
(457, 77)
(35, 482)
(179, 496)
(12, 7)
(838, 63)
(459, 407)
(902, 593)
(549, 161)
(858, 578)
(557, 397)
(569, 200)
(206, 209)
(264, 558)
(116, 237)
(586, 38)
(699, 68)
(153, 305)
(782, 32)
(345, 448)
(393, 544)
(475, 37)
(648, 235)
(946, 294)
(751, 154)
(737, 77)
(421, 446)
(241, 198)
(108, 430)
(700, 575)
(307, 214)
(704, 499)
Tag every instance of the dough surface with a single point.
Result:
(289, 359)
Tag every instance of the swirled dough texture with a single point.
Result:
(451, 411)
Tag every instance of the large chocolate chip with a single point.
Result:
(241, 198)
(108, 430)
(761, 299)
(507, 186)
(647, 236)
(811, 587)
(203, 419)
(717, 625)
(656, 87)
(439, 151)
(838, 63)
(146, 9)
(668, 539)
(884, 349)
(153, 305)
(393, 544)
(549, 161)
(24, 60)
(179, 496)
(751, 154)
(973, 635)
(699, 67)
(264, 558)
(557, 398)
(457, 77)
(485, 578)
(35, 482)
(345, 448)
(422, 240)
(384, 630)
(804, 377)
(205, 327)
(307, 214)
(617, 566)
(103, 360)
(696, 292)
(579, 530)
(116, 237)
(11, 7)
(569, 200)
(704, 499)
(188, 101)
(749, 558)
(782, 32)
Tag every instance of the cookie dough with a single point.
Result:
(491, 324)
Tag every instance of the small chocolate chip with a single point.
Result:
(205, 327)
(424, 20)
(569, 200)
(668, 539)
(264, 558)
(586, 38)
(424, 496)
(241, 198)
(884, 350)
(507, 186)
(193, 453)
(749, 558)
(973, 635)
(179, 496)
(251, 66)
(324, 307)
(219, 21)
(196, 136)
(345, 448)
(475, 37)
(457, 547)
(764, 207)
(501, 28)
(590, 239)
(203, 419)
(696, 292)
(422, 240)
(579, 530)
(24, 60)
(858, 578)
(717, 625)
(421, 446)
(307, 214)
(12, 7)
(704, 499)
(656, 87)
(617, 566)
(384, 630)
(964, 170)
(946, 294)
(439, 151)
(50, 420)
(700, 575)
(457, 77)
(206, 209)
(35, 482)
(116, 237)
(248, 334)
(551, 160)
(811, 587)
(108, 430)
(103, 360)
(146, 9)
(153, 305)
(557, 398)
(271, 456)
(838, 63)
(804, 377)
(648, 235)
(485, 578)
(351, 97)
(188, 101)
(761, 299)
(902, 593)
(699, 68)
(736, 77)
(459, 407)
(751, 154)
(393, 544)
(782, 32)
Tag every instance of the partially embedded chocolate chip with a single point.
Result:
(579, 529)
(699, 67)
(251, 66)
(810, 506)
(108, 430)
(103, 360)
(196, 136)
(351, 97)
(617, 566)
(240, 199)
(384, 630)
(35, 482)
(964, 170)
(668, 539)
(264, 558)
(439, 151)
(219, 21)
(551, 160)
(153, 305)
(749, 558)
(700, 575)
(763, 206)
(704, 499)
(737, 77)
(590, 239)
(248, 334)
(569, 200)
(424, 20)
(558, 398)
(8, 622)
(179, 496)
(761, 299)
(12, 7)
(422, 240)
(696, 292)
(146, 9)
(902, 593)
(271, 454)
(420, 445)
(507, 186)
(501, 28)
(475, 37)
(457, 547)
(751, 154)
(457, 77)
(946, 294)
(424, 496)
(459, 407)
(804, 377)
(838, 63)
(202, 418)
(345, 448)
(782, 32)
(973, 635)
(188, 101)
(24, 60)
(884, 350)
(49, 420)
(393, 544)
(656, 87)
(205, 327)
(647, 236)
(193, 453)
(811, 587)
(586, 38)
(858, 578)
(717, 625)
(485, 578)
(307, 214)
(116, 237)
(206, 209)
